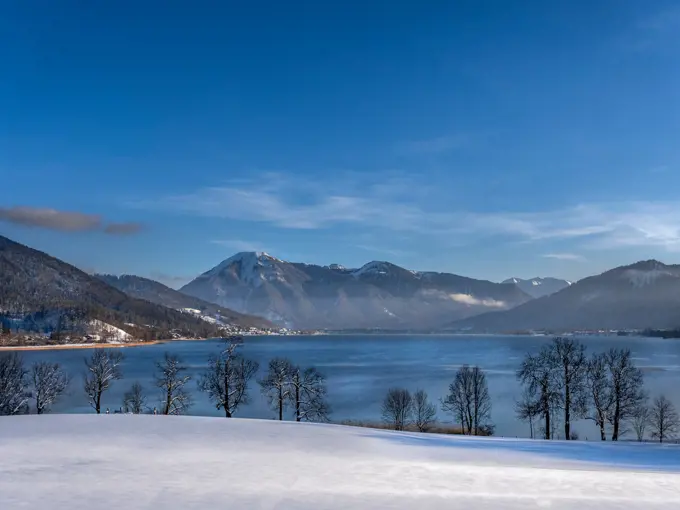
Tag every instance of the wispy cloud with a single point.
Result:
(63, 221)
(656, 31)
(385, 206)
(123, 229)
(564, 256)
(438, 145)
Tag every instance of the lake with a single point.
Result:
(360, 369)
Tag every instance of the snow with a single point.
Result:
(372, 268)
(81, 462)
(640, 278)
(117, 335)
(253, 268)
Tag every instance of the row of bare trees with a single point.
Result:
(43, 383)
(225, 381)
(468, 401)
(562, 382)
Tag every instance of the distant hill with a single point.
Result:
(150, 290)
(377, 295)
(39, 292)
(639, 296)
(539, 287)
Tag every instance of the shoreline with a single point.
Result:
(61, 347)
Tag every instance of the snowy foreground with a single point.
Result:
(86, 462)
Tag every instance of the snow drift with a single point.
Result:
(81, 462)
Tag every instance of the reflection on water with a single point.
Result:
(361, 369)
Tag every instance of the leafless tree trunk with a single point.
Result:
(599, 387)
(227, 377)
(14, 390)
(528, 409)
(134, 400)
(664, 419)
(103, 368)
(276, 385)
(469, 401)
(537, 374)
(568, 356)
(640, 419)
(626, 386)
(49, 383)
(308, 395)
(424, 411)
(170, 378)
(397, 408)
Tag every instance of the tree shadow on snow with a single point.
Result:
(628, 455)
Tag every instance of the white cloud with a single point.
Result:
(564, 256)
(390, 206)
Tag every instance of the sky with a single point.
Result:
(485, 138)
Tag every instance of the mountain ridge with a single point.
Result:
(379, 294)
(638, 296)
(41, 292)
(156, 292)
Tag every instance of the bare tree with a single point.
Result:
(134, 400)
(14, 390)
(469, 401)
(49, 383)
(599, 387)
(227, 376)
(527, 409)
(568, 356)
(664, 419)
(424, 411)
(397, 408)
(103, 368)
(626, 382)
(537, 374)
(276, 385)
(308, 395)
(641, 418)
(170, 378)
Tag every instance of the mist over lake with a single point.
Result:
(360, 369)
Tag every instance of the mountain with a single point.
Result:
(539, 287)
(377, 295)
(42, 294)
(150, 290)
(639, 296)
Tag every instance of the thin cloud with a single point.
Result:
(50, 219)
(564, 256)
(123, 229)
(381, 207)
(63, 221)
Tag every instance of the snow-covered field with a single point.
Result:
(85, 462)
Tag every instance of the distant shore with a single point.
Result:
(79, 346)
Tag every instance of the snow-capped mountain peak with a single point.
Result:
(250, 267)
(539, 287)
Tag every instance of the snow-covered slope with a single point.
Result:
(81, 462)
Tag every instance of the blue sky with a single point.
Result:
(490, 139)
